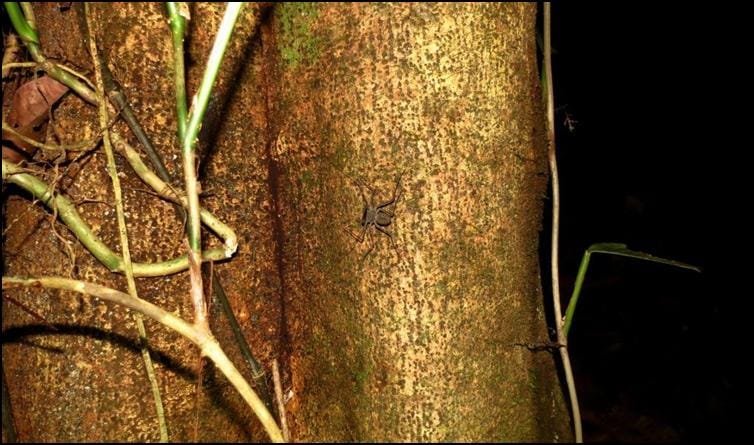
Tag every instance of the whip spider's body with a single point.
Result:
(377, 216)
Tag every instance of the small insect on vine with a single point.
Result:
(376, 216)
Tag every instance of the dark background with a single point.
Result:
(656, 160)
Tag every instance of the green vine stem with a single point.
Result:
(188, 144)
(52, 69)
(45, 66)
(200, 337)
(69, 215)
(166, 191)
(178, 13)
(29, 14)
(178, 16)
(196, 115)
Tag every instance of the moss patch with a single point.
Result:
(297, 44)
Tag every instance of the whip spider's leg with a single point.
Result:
(396, 196)
(367, 203)
(371, 246)
(389, 235)
(364, 184)
(360, 236)
(364, 227)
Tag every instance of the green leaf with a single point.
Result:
(610, 249)
(623, 250)
(20, 24)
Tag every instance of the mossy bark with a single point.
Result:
(415, 342)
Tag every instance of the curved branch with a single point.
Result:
(200, 337)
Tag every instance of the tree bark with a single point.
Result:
(416, 342)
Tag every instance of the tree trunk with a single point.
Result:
(413, 336)
(417, 342)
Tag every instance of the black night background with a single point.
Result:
(651, 93)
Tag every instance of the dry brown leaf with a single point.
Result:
(30, 110)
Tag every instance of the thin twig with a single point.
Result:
(279, 400)
(562, 340)
(21, 215)
(103, 115)
(53, 218)
(80, 146)
(11, 53)
(45, 66)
